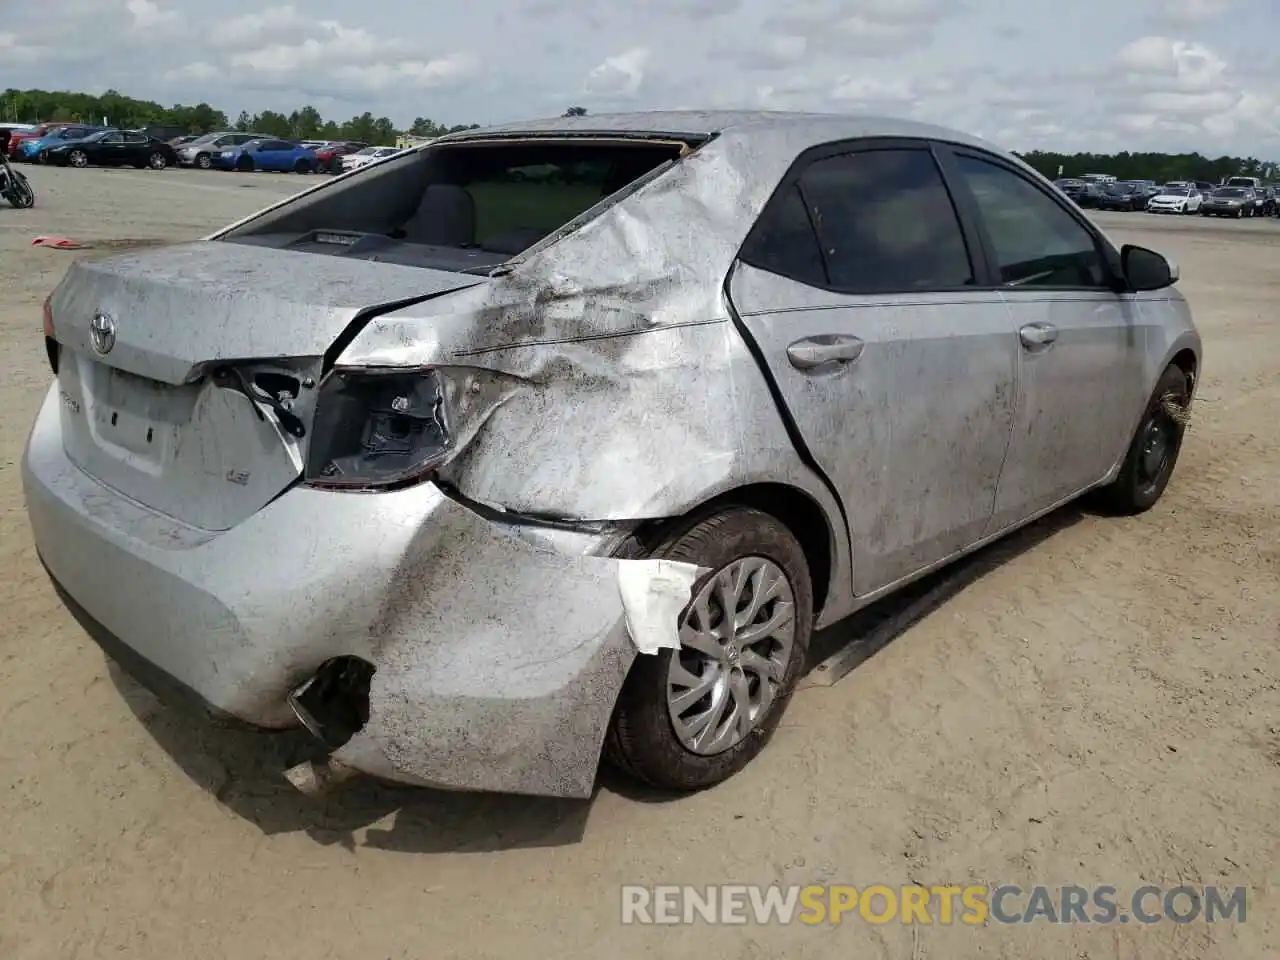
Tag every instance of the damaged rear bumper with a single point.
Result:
(497, 659)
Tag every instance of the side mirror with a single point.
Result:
(1145, 269)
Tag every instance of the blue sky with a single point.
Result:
(1150, 74)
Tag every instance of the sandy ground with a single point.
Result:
(1100, 707)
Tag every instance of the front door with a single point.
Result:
(858, 287)
(1080, 342)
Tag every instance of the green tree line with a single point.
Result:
(305, 123)
(1160, 167)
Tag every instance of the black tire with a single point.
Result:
(335, 166)
(1141, 480)
(78, 159)
(642, 741)
(1239, 214)
(245, 165)
(204, 161)
(157, 161)
(302, 166)
(19, 192)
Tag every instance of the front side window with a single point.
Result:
(1036, 242)
(886, 223)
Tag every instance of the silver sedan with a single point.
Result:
(560, 439)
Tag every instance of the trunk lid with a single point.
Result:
(147, 415)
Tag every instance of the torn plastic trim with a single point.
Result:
(333, 703)
(655, 594)
(499, 514)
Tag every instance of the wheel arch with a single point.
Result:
(797, 510)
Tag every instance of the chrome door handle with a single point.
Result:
(1038, 334)
(824, 349)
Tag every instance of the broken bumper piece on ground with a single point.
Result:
(493, 660)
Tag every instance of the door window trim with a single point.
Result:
(948, 153)
(984, 278)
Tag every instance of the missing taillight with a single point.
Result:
(51, 347)
(376, 429)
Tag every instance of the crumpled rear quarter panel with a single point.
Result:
(632, 395)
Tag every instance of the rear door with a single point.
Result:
(108, 150)
(862, 290)
(1079, 341)
(136, 148)
(275, 155)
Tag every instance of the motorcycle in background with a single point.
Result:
(14, 185)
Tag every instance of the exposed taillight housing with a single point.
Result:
(51, 347)
(378, 429)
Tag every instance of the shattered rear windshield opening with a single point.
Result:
(466, 206)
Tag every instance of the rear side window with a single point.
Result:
(783, 241)
(886, 223)
(1036, 242)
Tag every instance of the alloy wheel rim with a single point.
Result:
(78, 159)
(736, 640)
(157, 162)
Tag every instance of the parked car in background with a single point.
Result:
(1251, 183)
(1204, 186)
(32, 132)
(354, 161)
(1099, 178)
(201, 151)
(279, 156)
(1228, 202)
(184, 139)
(1176, 198)
(330, 156)
(17, 129)
(491, 484)
(1269, 201)
(31, 149)
(1123, 195)
(165, 132)
(1150, 187)
(1083, 192)
(111, 148)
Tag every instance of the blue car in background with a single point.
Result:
(29, 150)
(279, 155)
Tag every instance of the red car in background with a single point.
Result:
(35, 133)
(330, 156)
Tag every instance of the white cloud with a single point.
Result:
(196, 70)
(1162, 74)
(619, 76)
(254, 29)
(1196, 11)
(150, 16)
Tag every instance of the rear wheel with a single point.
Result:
(157, 161)
(1153, 452)
(204, 161)
(302, 166)
(691, 718)
(245, 164)
(78, 158)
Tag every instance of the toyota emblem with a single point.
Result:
(102, 332)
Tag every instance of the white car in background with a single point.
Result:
(354, 161)
(1176, 198)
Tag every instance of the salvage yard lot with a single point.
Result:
(1100, 706)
